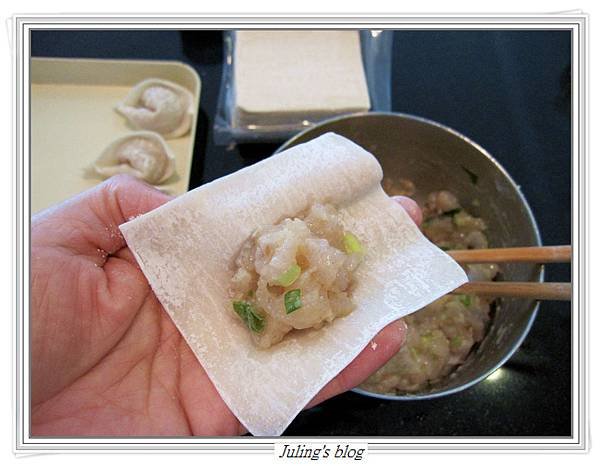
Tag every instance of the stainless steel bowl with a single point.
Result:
(436, 157)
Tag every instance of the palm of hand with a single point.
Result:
(105, 357)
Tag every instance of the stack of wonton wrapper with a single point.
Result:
(287, 77)
(186, 249)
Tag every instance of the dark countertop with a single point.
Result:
(507, 90)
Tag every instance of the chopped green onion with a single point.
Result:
(427, 338)
(352, 244)
(460, 219)
(289, 276)
(249, 316)
(456, 342)
(445, 248)
(292, 300)
(465, 299)
(414, 352)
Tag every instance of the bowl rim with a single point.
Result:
(450, 391)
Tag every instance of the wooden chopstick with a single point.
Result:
(532, 290)
(536, 255)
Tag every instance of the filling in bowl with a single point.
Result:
(441, 335)
(298, 274)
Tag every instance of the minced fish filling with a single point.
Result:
(298, 274)
(441, 335)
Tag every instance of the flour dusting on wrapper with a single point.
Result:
(187, 247)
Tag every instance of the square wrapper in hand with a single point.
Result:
(187, 247)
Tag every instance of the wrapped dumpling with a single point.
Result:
(159, 105)
(143, 154)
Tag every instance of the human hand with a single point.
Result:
(106, 359)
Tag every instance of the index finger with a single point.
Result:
(411, 207)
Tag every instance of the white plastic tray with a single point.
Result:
(73, 120)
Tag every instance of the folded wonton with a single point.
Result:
(186, 250)
(159, 105)
(143, 154)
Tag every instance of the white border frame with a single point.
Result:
(22, 25)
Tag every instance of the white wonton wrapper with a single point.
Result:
(143, 154)
(284, 77)
(169, 109)
(186, 249)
